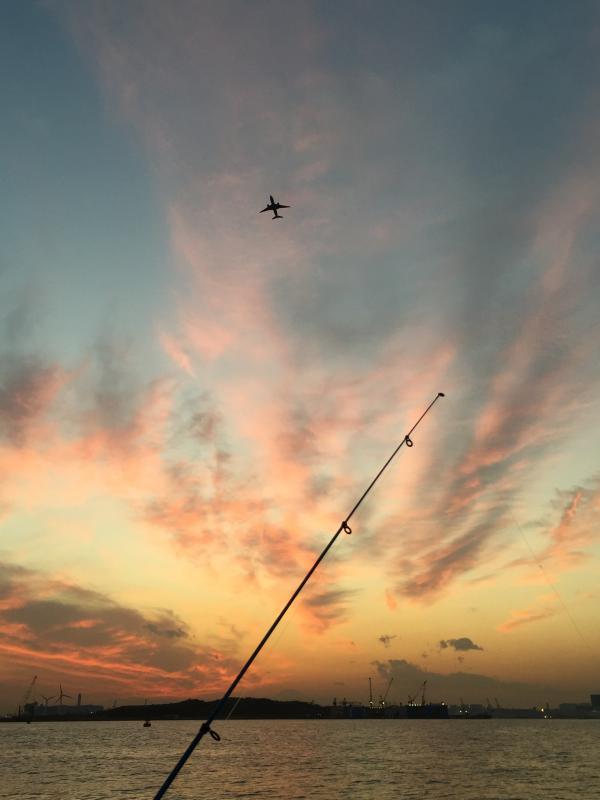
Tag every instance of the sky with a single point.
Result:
(193, 396)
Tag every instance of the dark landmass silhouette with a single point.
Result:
(245, 708)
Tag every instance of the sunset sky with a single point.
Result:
(193, 396)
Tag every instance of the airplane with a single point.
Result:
(273, 206)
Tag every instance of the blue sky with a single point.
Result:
(68, 165)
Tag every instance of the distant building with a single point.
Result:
(567, 708)
(595, 699)
(38, 710)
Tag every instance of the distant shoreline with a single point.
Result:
(451, 717)
(251, 708)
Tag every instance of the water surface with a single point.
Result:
(290, 760)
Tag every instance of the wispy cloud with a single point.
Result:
(27, 390)
(576, 530)
(568, 531)
(29, 383)
(527, 409)
(328, 607)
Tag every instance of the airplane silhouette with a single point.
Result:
(273, 206)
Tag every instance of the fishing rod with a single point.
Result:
(205, 727)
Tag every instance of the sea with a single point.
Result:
(291, 759)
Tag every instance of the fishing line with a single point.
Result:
(553, 587)
(233, 707)
(345, 528)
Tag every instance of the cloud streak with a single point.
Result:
(525, 616)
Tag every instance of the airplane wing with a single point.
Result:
(264, 209)
(279, 205)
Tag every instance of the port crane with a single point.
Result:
(27, 695)
(411, 700)
(387, 691)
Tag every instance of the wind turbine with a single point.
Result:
(60, 695)
(43, 696)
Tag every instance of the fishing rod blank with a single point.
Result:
(205, 727)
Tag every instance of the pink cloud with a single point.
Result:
(525, 616)
(390, 600)
(576, 529)
(176, 352)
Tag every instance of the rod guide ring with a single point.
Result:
(205, 728)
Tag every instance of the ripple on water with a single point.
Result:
(295, 760)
